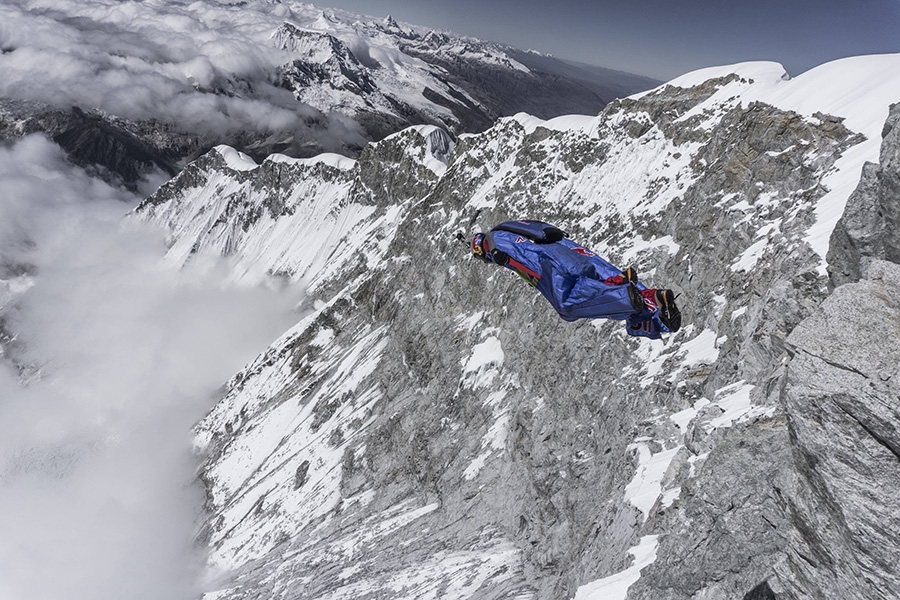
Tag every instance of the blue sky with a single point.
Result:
(659, 38)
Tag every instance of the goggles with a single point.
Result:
(478, 247)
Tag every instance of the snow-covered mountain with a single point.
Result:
(155, 84)
(430, 428)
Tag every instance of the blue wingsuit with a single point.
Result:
(573, 279)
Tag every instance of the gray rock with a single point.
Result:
(728, 528)
(870, 225)
(841, 397)
(509, 478)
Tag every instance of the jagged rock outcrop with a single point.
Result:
(870, 226)
(822, 515)
(841, 398)
(431, 428)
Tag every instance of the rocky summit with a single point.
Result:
(431, 429)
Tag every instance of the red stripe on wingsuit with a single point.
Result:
(520, 267)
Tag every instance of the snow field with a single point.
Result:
(251, 474)
(615, 587)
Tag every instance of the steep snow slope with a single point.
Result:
(298, 218)
(857, 90)
(430, 428)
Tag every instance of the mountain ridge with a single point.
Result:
(431, 427)
(426, 426)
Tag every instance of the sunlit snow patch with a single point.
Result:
(639, 245)
(469, 322)
(381, 526)
(323, 337)
(748, 259)
(734, 401)
(582, 123)
(236, 160)
(684, 417)
(615, 587)
(646, 486)
(737, 313)
(702, 350)
(338, 161)
(484, 364)
(494, 440)
(652, 356)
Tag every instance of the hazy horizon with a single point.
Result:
(659, 39)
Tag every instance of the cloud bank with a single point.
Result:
(116, 357)
(208, 67)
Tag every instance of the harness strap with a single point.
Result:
(524, 272)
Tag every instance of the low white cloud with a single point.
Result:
(116, 357)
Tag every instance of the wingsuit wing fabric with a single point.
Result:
(571, 277)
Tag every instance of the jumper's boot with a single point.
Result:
(636, 298)
(630, 275)
(668, 312)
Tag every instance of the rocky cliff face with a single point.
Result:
(841, 397)
(431, 429)
(869, 226)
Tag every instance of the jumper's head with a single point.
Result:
(478, 247)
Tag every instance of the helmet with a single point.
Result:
(478, 247)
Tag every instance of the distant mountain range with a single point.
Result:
(321, 80)
(383, 73)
